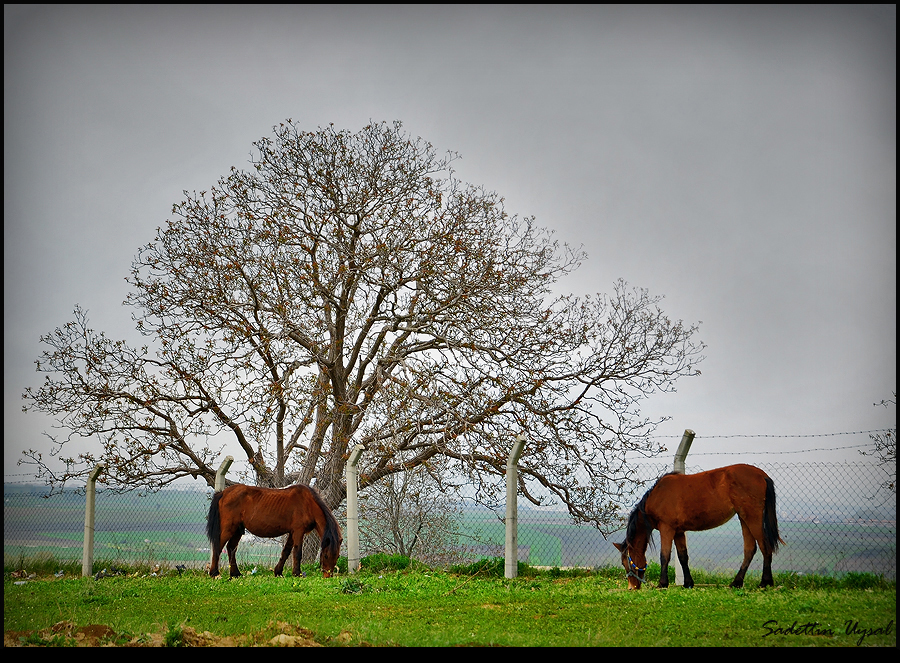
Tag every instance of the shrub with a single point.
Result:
(385, 562)
(495, 567)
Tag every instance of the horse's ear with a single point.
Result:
(620, 546)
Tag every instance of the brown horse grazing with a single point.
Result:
(680, 503)
(269, 512)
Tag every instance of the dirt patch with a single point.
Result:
(66, 634)
(61, 633)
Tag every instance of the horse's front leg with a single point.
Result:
(288, 544)
(665, 553)
(298, 553)
(681, 547)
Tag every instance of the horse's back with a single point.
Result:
(746, 472)
(731, 475)
(745, 481)
(267, 512)
(241, 493)
(705, 500)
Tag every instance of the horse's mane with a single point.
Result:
(331, 538)
(631, 529)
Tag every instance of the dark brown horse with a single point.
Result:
(268, 512)
(680, 503)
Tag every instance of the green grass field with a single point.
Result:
(390, 604)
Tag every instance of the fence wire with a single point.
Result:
(835, 519)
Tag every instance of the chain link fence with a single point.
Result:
(835, 519)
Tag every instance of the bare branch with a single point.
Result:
(348, 286)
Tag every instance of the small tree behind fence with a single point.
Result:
(835, 518)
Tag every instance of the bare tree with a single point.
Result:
(886, 449)
(350, 287)
(416, 514)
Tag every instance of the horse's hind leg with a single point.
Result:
(681, 547)
(217, 547)
(766, 550)
(214, 564)
(767, 580)
(233, 542)
(749, 551)
(288, 544)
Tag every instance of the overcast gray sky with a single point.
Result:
(740, 161)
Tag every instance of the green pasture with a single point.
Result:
(403, 604)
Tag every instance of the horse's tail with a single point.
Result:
(213, 522)
(770, 518)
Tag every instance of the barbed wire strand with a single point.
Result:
(778, 453)
(772, 453)
(704, 453)
(857, 432)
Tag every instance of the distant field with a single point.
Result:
(169, 527)
(821, 548)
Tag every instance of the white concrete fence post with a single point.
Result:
(683, 447)
(87, 555)
(680, 455)
(351, 472)
(512, 517)
(222, 471)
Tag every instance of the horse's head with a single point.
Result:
(331, 550)
(329, 534)
(635, 563)
(638, 535)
